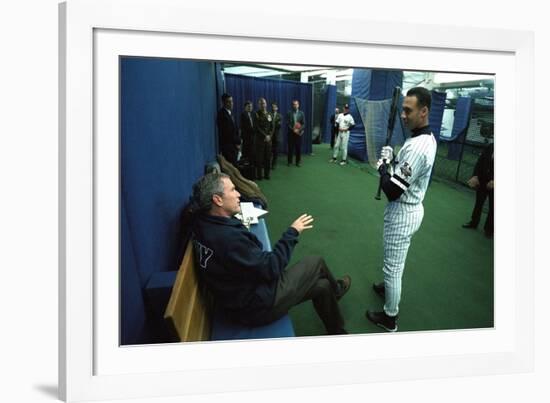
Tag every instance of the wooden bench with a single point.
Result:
(187, 312)
(190, 313)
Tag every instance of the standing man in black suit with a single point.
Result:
(247, 132)
(483, 182)
(229, 139)
(333, 127)
(296, 125)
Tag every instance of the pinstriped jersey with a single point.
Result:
(345, 121)
(413, 167)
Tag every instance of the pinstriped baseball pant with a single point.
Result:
(401, 221)
(341, 144)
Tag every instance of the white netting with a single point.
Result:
(374, 115)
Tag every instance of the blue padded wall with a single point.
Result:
(244, 88)
(168, 132)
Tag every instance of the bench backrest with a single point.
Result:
(187, 312)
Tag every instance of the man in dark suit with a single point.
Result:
(247, 132)
(296, 124)
(229, 139)
(483, 182)
(333, 127)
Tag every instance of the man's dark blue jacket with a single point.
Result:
(239, 273)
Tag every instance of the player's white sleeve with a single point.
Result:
(411, 164)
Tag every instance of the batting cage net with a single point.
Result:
(375, 116)
(456, 159)
(456, 156)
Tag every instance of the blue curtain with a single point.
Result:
(220, 90)
(460, 127)
(436, 112)
(168, 114)
(244, 88)
(328, 111)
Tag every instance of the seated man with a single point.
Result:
(250, 285)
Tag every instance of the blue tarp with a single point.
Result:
(244, 88)
(357, 146)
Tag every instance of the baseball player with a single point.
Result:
(345, 123)
(404, 181)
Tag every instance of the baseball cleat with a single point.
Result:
(382, 320)
(379, 289)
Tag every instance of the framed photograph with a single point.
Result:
(102, 355)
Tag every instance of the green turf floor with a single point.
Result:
(448, 278)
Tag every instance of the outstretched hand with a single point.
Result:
(303, 222)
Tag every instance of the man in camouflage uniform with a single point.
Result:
(247, 132)
(276, 130)
(263, 136)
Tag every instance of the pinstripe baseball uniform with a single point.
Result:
(405, 189)
(345, 122)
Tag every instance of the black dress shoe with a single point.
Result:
(380, 289)
(343, 286)
(267, 177)
(297, 164)
(469, 225)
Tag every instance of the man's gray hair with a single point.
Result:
(206, 187)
